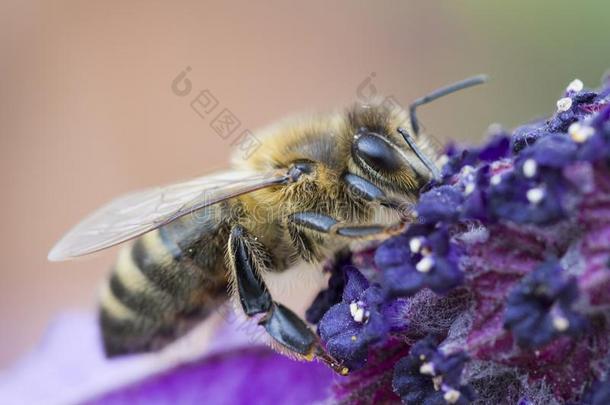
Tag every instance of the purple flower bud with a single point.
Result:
(427, 376)
(540, 309)
(423, 257)
(349, 327)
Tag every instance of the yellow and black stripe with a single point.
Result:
(169, 277)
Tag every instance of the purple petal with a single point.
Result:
(250, 376)
(336, 321)
(393, 252)
(403, 280)
(70, 367)
(497, 148)
(356, 284)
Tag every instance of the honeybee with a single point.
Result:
(312, 186)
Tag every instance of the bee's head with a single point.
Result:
(386, 147)
(384, 151)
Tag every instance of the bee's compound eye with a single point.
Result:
(376, 152)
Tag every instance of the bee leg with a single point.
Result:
(251, 289)
(366, 190)
(325, 224)
(248, 259)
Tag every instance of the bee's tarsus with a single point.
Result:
(330, 361)
(289, 330)
(361, 231)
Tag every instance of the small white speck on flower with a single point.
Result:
(564, 104)
(427, 369)
(560, 323)
(466, 170)
(415, 244)
(353, 307)
(575, 85)
(495, 128)
(535, 195)
(469, 188)
(425, 264)
(359, 315)
(452, 396)
(437, 382)
(495, 179)
(580, 133)
(530, 167)
(358, 312)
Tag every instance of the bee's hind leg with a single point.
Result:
(247, 259)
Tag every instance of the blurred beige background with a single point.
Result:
(87, 112)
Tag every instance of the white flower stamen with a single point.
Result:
(427, 369)
(564, 104)
(580, 133)
(469, 188)
(415, 244)
(353, 307)
(560, 323)
(452, 396)
(530, 167)
(466, 170)
(358, 312)
(535, 195)
(575, 85)
(425, 264)
(495, 179)
(359, 315)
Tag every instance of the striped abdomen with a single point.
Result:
(168, 280)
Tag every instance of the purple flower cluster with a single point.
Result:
(508, 266)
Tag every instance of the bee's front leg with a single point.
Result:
(248, 258)
(367, 191)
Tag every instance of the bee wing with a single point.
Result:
(136, 213)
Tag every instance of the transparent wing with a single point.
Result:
(139, 212)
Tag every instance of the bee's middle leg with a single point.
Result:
(248, 258)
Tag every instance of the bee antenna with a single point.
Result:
(420, 155)
(452, 88)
